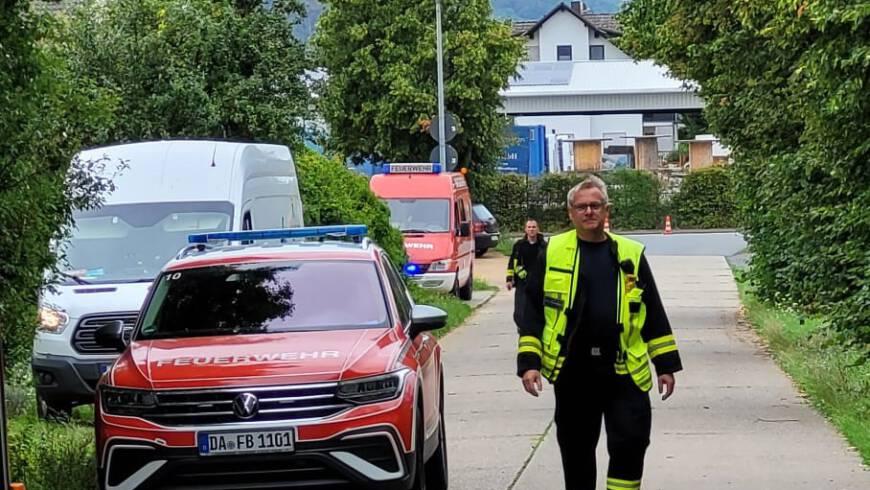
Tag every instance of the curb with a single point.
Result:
(484, 300)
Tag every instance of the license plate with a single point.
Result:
(245, 442)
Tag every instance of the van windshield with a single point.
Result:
(420, 215)
(271, 297)
(132, 242)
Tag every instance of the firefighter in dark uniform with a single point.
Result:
(593, 321)
(523, 257)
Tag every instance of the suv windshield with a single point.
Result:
(265, 298)
(420, 215)
(132, 242)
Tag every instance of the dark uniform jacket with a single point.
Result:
(524, 257)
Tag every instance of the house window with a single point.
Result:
(563, 53)
(596, 52)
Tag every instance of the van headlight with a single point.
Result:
(373, 389)
(52, 320)
(442, 265)
(124, 401)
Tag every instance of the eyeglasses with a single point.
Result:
(594, 206)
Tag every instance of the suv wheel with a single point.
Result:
(58, 412)
(437, 476)
(420, 479)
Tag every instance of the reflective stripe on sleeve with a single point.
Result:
(531, 344)
(661, 345)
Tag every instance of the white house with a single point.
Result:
(579, 84)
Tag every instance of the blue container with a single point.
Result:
(528, 155)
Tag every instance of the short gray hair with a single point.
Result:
(590, 182)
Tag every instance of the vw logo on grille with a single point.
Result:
(246, 405)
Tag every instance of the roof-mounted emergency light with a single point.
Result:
(412, 168)
(289, 233)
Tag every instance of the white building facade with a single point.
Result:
(578, 84)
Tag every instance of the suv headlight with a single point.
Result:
(441, 265)
(123, 401)
(373, 389)
(52, 320)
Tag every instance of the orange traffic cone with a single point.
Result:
(668, 228)
(16, 486)
(607, 225)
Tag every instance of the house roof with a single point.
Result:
(618, 86)
(605, 24)
(610, 77)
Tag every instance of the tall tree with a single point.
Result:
(194, 68)
(43, 121)
(786, 87)
(380, 92)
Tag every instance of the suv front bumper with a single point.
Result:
(371, 458)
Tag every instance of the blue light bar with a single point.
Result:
(412, 168)
(412, 269)
(288, 233)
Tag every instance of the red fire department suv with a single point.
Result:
(272, 365)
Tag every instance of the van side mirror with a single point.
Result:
(465, 229)
(425, 318)
(112, 336)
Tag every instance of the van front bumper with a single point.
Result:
(441, 281)
(62, 380)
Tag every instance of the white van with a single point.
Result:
(168, 190)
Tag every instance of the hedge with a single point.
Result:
(634, 196)
(334, 195)
(705, 200)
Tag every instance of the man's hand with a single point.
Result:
(509, 285)
(667, 383)
(532, 382)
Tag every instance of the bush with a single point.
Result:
(634, 195)
(334, 195)
(705, 200)
(49, 456)
(635, 199)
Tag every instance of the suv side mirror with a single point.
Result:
(111, 335)
(425, 318)
(465, 229)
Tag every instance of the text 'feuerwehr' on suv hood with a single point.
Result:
(262, 359)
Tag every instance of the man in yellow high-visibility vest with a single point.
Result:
(593, 321)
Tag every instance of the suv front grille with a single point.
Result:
(83, 340)
(294, 402)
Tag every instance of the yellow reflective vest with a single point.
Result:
(563, 266)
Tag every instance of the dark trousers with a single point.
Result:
(519, 302)
(583, 398)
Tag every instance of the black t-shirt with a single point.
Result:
(596, 341)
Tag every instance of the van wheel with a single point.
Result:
(481, 252)
(57, 412)
(437, 476)
(466, 291)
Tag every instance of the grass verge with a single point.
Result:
(457, 310)
(835, 377)
(481, 285)
(48, 455)
(506, 244)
